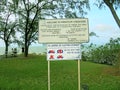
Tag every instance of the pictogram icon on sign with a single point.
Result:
(51, 57)
(59, 56)
(60, 51)
(51, 51)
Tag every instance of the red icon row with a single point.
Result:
(58, 51)
(58, 57)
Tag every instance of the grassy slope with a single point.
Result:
(97, 77)
(31, 74)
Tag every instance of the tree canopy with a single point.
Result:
(7, 25)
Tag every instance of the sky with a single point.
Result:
(102, 23)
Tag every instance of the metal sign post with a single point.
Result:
(48, 75)
(78, 74)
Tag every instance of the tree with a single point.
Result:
(113, 5)
(7, 25)
(30, 12)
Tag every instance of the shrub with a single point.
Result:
(104, 54)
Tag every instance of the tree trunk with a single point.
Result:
(26, 45)
(115, 16)
(110, 5)
(26, 48)
(26, 51)
(6, 49)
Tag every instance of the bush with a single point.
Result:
(104, 54)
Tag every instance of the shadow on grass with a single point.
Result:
(85, 87)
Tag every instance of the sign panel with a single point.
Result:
(63, 31)
(63, 52)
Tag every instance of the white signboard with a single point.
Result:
(63, 52)
(63, 30)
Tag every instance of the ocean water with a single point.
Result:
(32, 49)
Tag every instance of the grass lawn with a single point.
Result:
(30, 73)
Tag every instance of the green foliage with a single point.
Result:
(72, 8)
(93, 34)
(105, 54)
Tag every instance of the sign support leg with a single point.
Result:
(48, 75)
(78, 74)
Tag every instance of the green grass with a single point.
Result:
(30, 73)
